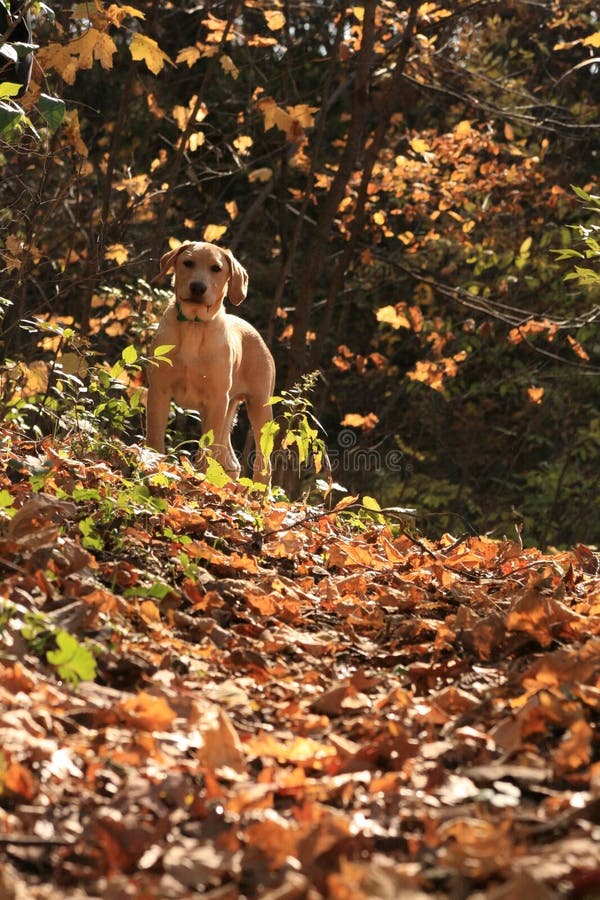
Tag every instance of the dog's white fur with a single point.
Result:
(218, 360)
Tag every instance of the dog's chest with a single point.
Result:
(200, 359)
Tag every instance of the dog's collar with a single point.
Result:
(181, 316)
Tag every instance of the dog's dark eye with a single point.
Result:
(216, 268)
(188, 263)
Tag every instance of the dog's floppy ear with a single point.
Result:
(167, 260)
(238, 282)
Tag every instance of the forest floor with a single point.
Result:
(209, 693)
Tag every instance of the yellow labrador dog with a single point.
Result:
(218, 360)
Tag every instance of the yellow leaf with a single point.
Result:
(509, 132)
(358, 12)
(232, 209)
(145, 48)
(72, 131)
(84, 10)
(262, 174)
(355, 420)
(188, 55)
(463, 129)
(79, 53)
(524, 248)
(214, 232)
(149, 612)
(196, 140)
(116, 14)
(228, 66)
(118, 252)
(242, 144)
(303, 113)
(274, 115)
(29, 379)
(275, 19)
(419, 145)
(182, 114)
(216, 28)
(407, 237)
(391, 315)
(592, 40)
(135, 186)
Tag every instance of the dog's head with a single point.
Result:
(204, 275)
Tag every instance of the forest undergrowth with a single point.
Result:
(207, 691)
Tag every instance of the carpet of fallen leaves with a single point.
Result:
(286, 706)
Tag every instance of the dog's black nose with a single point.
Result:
(197, 288)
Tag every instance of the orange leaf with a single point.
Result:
(147, 712)
(19, 780)
(535, 394)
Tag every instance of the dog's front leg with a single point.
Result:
(157, 414)
(217, 421)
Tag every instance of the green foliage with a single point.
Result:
(93, 402)
(300, 441)
(589, 235)
(72, 661)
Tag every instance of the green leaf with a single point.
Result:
(159, 590)
(91, 539)
(371, 503)
(163, 350)
(206, 440)
(373, 506)
(9, 89)
(117, 369)
(129, 355)
(267, 437)
(73, 662)
(10, 116)
(215, 473)
(6, 500)
(581, 193)
(52, 109)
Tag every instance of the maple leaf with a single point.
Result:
(147, 49)
(117, 14)
(189, 55)
(286, 120)
(117, 252)
(79, 53)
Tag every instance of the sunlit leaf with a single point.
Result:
(146, 49)
(73, 662)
